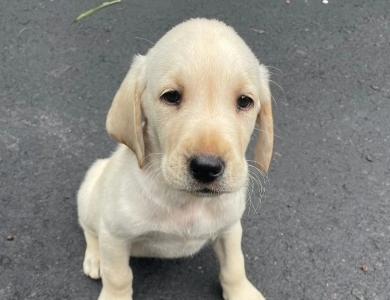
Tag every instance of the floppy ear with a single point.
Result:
(124, 119)
(265, 140)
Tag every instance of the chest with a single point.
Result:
(178, 237)
(193, 221)
(183, 231)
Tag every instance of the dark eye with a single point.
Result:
(172, 97)
(244, 102)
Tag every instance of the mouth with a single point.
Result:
(205, 192)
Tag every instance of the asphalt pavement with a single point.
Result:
(322, 230)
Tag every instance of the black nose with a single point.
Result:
(205, 168)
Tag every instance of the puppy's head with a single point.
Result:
(201, 91)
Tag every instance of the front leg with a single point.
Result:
(117, 276)
(232, 275)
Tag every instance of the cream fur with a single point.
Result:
(143, 201)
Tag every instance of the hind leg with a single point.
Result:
(91, 263)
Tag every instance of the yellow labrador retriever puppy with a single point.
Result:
(184, 114)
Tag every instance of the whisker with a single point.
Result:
(255, 172)
(157, 153)
(251, 195)
(274, 100)
(285, 96)
(259, 129)
(140, 38)
(151, 173)
(258, 182)
(276, 74)
(275, 69)
(151, 164)
(250, 191)
(261, 191)
(256, 162)
(254, 178)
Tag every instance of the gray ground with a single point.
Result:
(326, 213)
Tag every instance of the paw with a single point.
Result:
(244, 290)
(107, 295)
(91, 265)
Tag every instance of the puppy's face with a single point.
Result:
(201, 102)
(202, 93)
